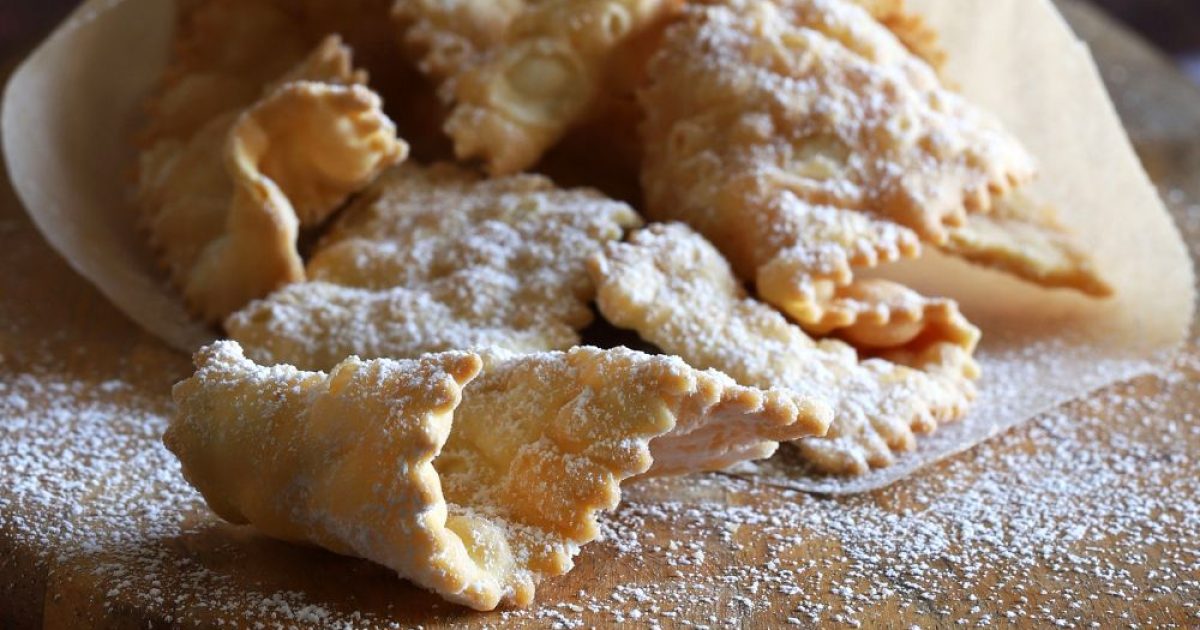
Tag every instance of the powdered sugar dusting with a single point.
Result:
(1085, 517)
(1088, 515)
(1018, 373)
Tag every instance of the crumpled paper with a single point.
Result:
(70, 109)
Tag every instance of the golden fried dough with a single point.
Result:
(474, 477)
(223, 54)
(1026, 239)
(518, 74)
(316, 324)
(676, 291)
(874, 315)
(223, 208)
(436, 258)
(909, 28)
(805, 140)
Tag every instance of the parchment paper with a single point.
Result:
(69, 109)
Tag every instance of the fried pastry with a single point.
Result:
(519, 74)
(223, 208)
(223, 54)
(316, 324)
(409, 98)
(225, 51)
(1026, 239)
(473, 476)
(875, 315)
(433, 259)
(805, 140)
(676, 291)
(908, 27)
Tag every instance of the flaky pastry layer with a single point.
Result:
(676, 291)
(223, 207)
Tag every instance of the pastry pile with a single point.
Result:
(412, 373)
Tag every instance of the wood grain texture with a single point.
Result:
(52, 322)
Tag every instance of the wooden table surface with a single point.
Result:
(1086, 516)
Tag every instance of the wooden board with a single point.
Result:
(1087, 515)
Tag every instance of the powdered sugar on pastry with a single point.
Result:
(520, 73)
(677, 292)
(475, 491)
(223, 208)
(316, 324)
(436, 258)
(804, 139)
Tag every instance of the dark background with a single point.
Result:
(1174, 25)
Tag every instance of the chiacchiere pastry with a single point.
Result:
(518, 74)
(676, 291)
(473, 475)
(805, 140)
(223, 204)
(1026, 239)
(222, 54)
(437, 258)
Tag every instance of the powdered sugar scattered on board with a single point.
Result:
(1028, 525)
(1015, 372)
(1084, 517)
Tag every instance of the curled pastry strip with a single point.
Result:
(225, 51)
(1026, 239)
(433, 259)
(473, 476)
(873, 315)
(805, 140)
(294, 156)
(224, 208)
(520, 74)
(223, 54)
(330, 62)
(676, 291)
(815, 249)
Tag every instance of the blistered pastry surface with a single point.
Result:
(676, 291)
(437, 258)
(473, 475)
(806, 140)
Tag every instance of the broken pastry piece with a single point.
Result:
(519, 74)
(805, 140)
(473, 476)
(1026, 239)
(676, 291)
(223, 207)
(432, 259)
